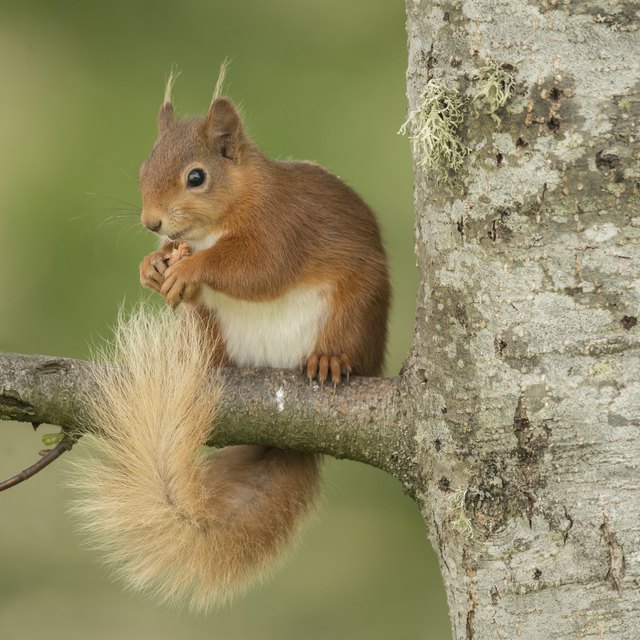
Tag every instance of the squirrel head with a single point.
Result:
(195, 172)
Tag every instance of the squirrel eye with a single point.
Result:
(196, 177)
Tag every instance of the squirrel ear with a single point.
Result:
(165, 117)
(223, 128)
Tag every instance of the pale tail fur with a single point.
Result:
(169, 518)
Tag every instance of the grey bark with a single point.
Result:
(268, 406)
(524, 367)
(515, 422)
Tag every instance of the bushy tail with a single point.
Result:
(170, 518)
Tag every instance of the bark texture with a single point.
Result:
(277, 407)
(524, 368)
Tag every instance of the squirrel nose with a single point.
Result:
(153, 225)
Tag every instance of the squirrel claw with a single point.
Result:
(322, 366)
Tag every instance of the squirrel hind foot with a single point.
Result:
(321, 366)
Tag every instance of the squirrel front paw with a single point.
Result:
(320, 365)
(152, 269)
(179, 283)
(157, 265)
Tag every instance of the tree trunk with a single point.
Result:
(524, 367)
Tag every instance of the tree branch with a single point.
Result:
(44, 461)
(276, 407)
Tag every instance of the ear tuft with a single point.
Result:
(223, 127)
(165, 115)
(222, 75)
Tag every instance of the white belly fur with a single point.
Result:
(277, 333)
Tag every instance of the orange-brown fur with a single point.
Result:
(275, 227)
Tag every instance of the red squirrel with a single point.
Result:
(285, 265)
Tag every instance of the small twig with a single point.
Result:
(64, 445)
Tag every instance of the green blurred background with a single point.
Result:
(81, 84)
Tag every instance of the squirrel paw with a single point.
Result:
(178, 282)
(152, 270)
(178, 278)
(320, 365)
